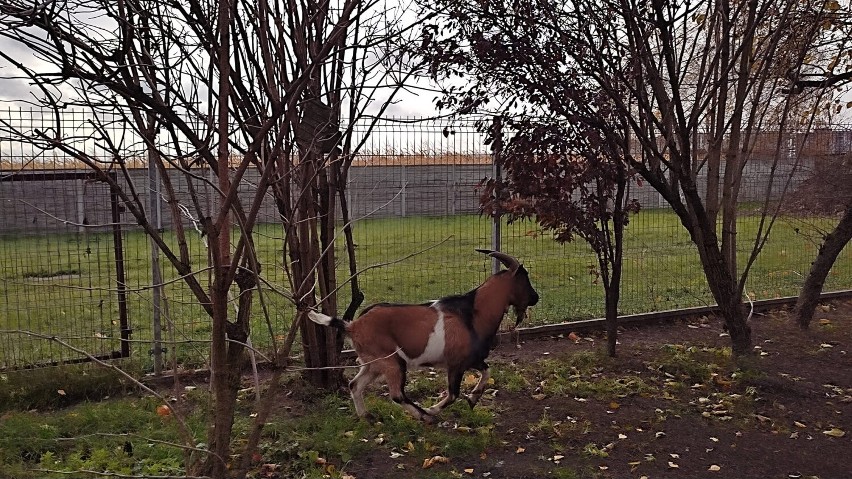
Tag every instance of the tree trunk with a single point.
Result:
(725, 291)
(719, 278)
(828, 253)
(612, 294)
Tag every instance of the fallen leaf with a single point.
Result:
(673, 465)
(573, 337)
(714, 468)
(431, 461)
(622, 436)
(835, 432)
(519, 450)
(538, 397)
(675, 456)
(824, 321)
(614, 405)
(163, 410)
(61, 392)
(558, 457)
(469, 470)
(799, 424)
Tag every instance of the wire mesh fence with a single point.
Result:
(70, 260)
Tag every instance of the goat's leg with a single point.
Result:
(454, 378)
(484, 375)
(395, 376)
(358, 384)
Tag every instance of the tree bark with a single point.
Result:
(727, 297)
(722, 283)
(830, 249)
(612, 294)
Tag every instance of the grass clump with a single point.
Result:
(586, 375)
(49, 388)
(693, 364)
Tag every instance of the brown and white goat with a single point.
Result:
(455, 332)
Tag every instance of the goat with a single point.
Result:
(455, 332)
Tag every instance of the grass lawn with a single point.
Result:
(64, 284)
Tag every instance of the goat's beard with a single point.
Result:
(520, 315)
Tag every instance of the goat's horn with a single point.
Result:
(509, 262)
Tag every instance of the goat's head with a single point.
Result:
(522, 294)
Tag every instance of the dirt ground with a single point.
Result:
(787, 416)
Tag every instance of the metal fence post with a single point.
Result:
(496, 174)
(156, 276)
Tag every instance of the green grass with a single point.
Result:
(320, 443)
(122, 436)
(38, 291)
(48, 388)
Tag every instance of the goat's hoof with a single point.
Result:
(369, 417)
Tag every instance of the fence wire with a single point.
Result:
(412, 188)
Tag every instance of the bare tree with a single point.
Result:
(229, 86)
(825, 75)
(676, 71)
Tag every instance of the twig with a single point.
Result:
(116, 475)
(322, 368)
(387, 263)
(130, 435)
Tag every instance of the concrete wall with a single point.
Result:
(375, 191)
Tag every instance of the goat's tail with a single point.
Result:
(326, 320)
